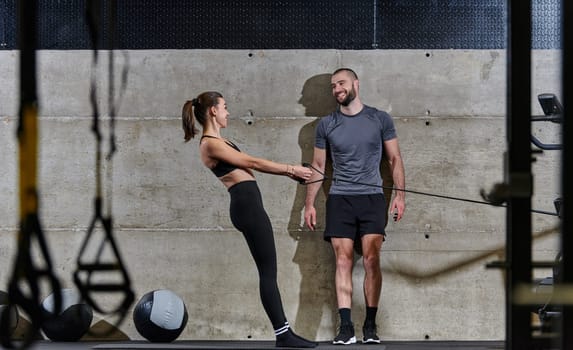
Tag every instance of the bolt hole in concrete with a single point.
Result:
(250, 54)
(428, 54)
(427, 236)
(427, 336)
(428, 113)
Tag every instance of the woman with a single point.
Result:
(234, 169)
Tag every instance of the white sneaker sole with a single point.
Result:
(370, 341)
(348, 342)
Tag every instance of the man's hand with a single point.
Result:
(398, 207)
(310, 217)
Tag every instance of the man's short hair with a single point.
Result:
(353, 73)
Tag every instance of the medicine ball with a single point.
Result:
(160, 316)
(72, 322)
(8, 313)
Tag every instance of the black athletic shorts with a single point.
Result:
(353, 216)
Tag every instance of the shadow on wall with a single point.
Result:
(313, 255)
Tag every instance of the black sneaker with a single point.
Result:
(369, 333)
(345, 335)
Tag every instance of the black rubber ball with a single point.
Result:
(160, 316)
(73, 321)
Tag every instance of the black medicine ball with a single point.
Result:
(160, 316)
(72, 322)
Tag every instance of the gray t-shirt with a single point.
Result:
(355, 144)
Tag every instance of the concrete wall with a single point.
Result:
(171, 215)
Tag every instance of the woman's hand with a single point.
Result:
(300, 173)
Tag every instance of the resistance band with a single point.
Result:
(496, 204)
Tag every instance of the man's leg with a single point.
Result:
(371, 246)
(343, 252)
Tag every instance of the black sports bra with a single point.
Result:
(223, 168)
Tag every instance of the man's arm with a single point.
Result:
(398, 204)
(318, 162)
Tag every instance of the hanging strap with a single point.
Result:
(31, 271)
(102, 274)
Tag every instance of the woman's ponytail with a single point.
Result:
(188, 120)
(197, 109)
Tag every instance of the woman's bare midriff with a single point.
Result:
(236, 176)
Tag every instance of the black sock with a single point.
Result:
(289, 339)
(345, 316)
(371, 314)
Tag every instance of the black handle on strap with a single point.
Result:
(89, 277)
(27, 274)
(308, 165)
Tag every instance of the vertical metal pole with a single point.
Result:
(518, 172)
(567, 168)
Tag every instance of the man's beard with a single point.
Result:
(350, 96)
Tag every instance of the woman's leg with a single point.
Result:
(249, 216)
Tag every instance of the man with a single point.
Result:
(356, 135)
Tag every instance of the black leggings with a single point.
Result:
(249, 216)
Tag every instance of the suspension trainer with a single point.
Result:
(24, 286)
(495, 201)
(102, 275)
